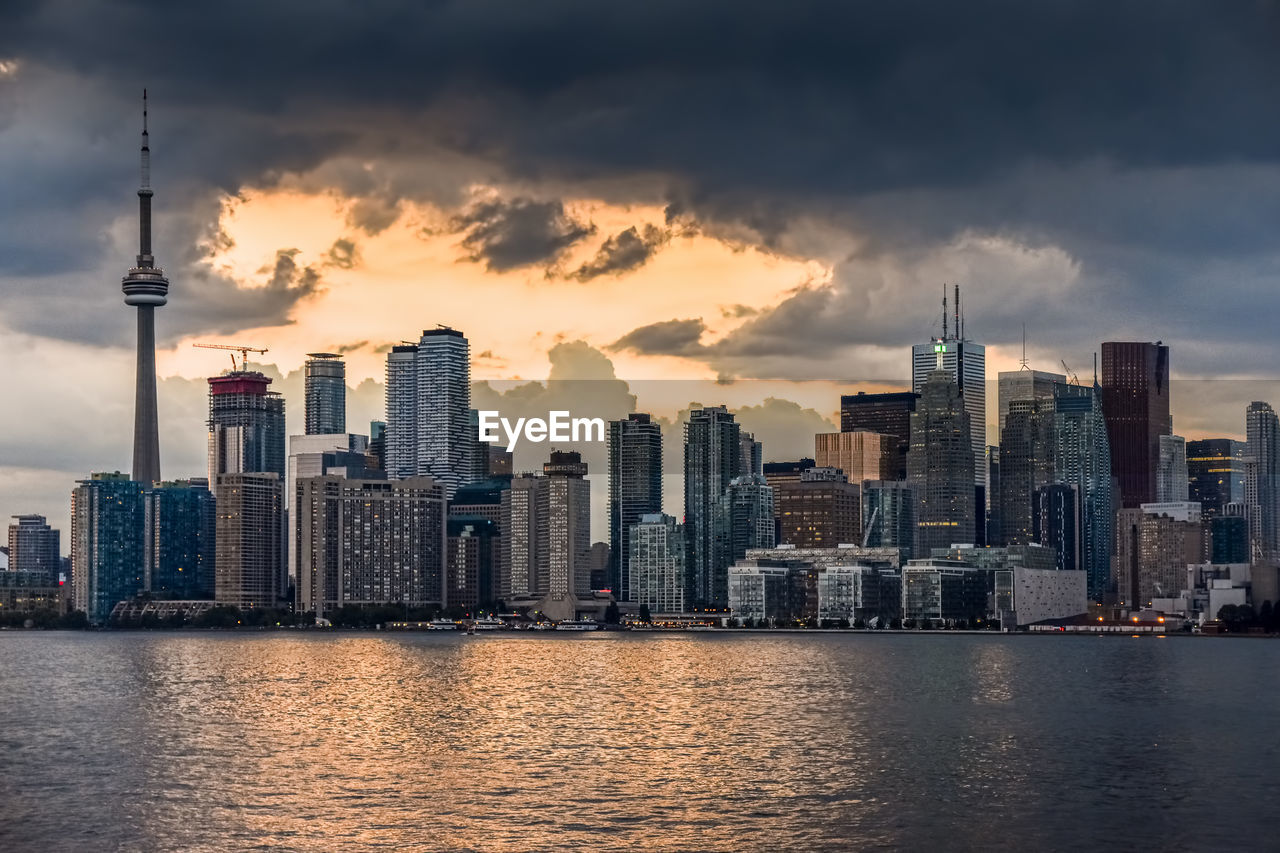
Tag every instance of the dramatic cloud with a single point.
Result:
(506, 235)
(623, 252)
(669, 337)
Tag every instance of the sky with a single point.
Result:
(632, 206)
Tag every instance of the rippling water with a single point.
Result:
(193, 741)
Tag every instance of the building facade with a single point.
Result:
(34, 546)
(107, 557)
(940, 466)
(249, 562)
(181, 540)
(889, 515)
(861, 455)
(325, 384)
(1215, 473)
(1171, 470)
(1135, 402)
(820, 510)
(887, 414)
(635, 490)
(712, 459)
(657, 563)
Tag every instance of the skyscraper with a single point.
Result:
(1055, 524)
(445, 442)
(1026, 465)
(712, 458)
(429, 428)
(146, 289)
(635, 489)
(747, 506)
(246, 425)
(1082, 460)
(1153, 549)
(366, 541)
(1171, 469)
(1215, 473)
(34, 546)
(966, 362)
(180, 548)
(1262, 483)
(470, 562)
(940, 466)
(1135, 401)
(326, 393)
(656, 563)
(249, 564)
(400, 436)
(861, 455)
(1025, 384)
(887, 414)
(107, 559)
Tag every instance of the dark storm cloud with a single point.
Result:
(507, 235)
(1127, 132)
(669, 337)
(623, 252)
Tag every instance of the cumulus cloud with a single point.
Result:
(666, 337)
(506, 235)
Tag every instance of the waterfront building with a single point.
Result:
(712, 459)
(657, 563)
(107, 557)
(889, 515)
(748, 509)
(635, 490)
(249, 561)
(939, 592)
(469, 562)
(34, 546)
(1154, 545)
(1262, 480)
(1082, 460)
(180, 548)
(1026, 464)
(366, 541)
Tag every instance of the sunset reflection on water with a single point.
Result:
(516, 742)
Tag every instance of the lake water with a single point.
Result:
(232, 741)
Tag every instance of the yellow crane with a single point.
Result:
(243, 350)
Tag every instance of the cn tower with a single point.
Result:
(145, 288)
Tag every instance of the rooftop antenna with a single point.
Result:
(944, 311)
(1095, 369)
(959, 336)
(1024, 348)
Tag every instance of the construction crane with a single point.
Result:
(243, 350)
(1074, 380)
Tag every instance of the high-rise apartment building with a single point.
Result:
(246, 425)
(657, 563)
(820, 510)
(1082, 460)
(748, 510)
(712, 459)
(325, 377)
(470, 562)
(180, 548)
(635, 490)
(34, 546)
(546, 537)
(1154, 546)
(886, 414)
(1055, 524)
(1262, 479)
(752, 456)
(861, 455)
(107, 559)
(400, 435)
(1135, 402)
(1171, 469)
(1215, 473)
(249, 561)
(363, 541)
(429, 427)
(940, 466)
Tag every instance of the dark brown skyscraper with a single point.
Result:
(889, 414)
(1135, 404)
